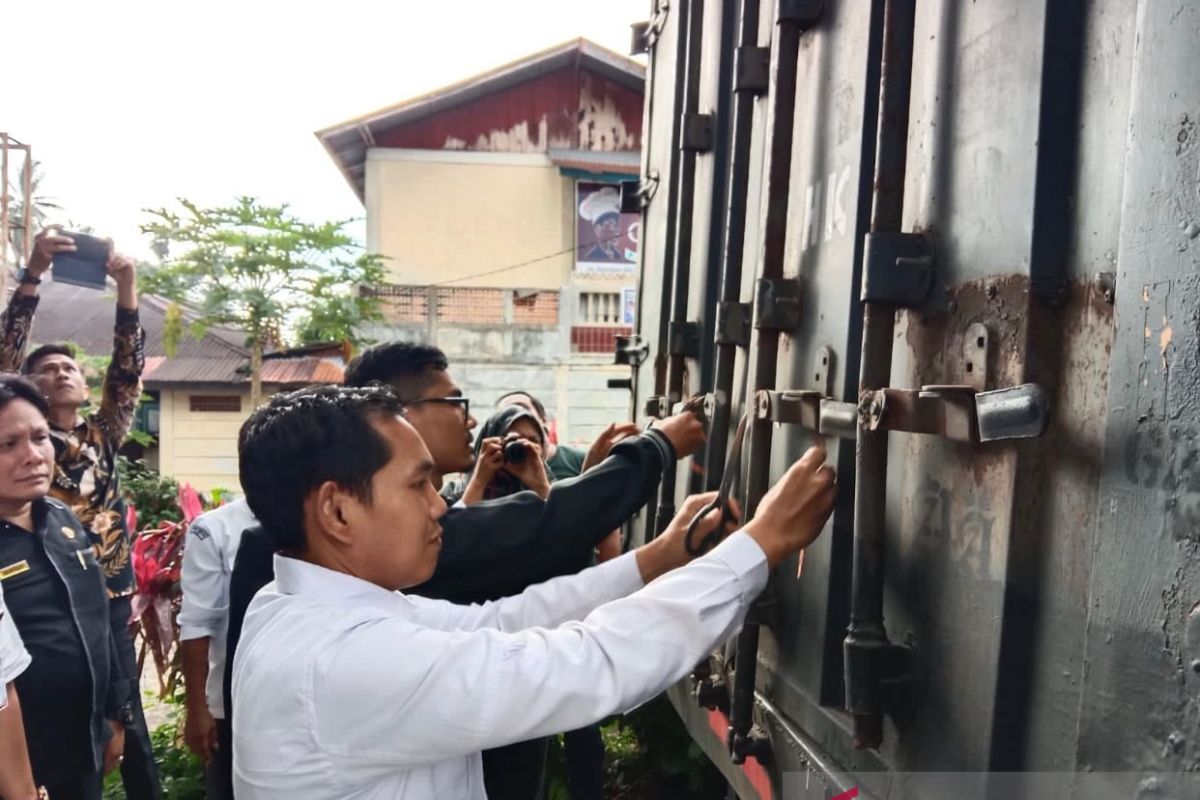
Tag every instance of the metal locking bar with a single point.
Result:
(810, 410)
(959, 413)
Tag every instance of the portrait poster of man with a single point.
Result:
(606, 240)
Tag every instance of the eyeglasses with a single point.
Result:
(461, 402)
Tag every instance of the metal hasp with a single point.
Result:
(959, 413)
(777, 304)
(632, 351)
(752, 70)
(636, 195)
(733, 324)
(683, 339)
(658, 406)
(872, 666)
(810, 410)
(804, 13)
(897, 269)
(696, 132)
(708, 688)
(753, 744)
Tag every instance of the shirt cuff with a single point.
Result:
(11, 670)
(622, 574)
(746, 560)
(127, 317)
(24, 302)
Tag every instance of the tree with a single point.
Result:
(40, 206)
(262, 270)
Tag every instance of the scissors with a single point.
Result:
(732, 462)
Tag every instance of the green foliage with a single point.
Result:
(260, 269)
(153, 494)
(181, 772)
(648, 754)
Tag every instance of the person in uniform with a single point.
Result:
(74, 695)
(85, 452)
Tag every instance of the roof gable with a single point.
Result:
(577, 95)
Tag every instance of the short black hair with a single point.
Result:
(302, 439)
(33, 358)
(537, 404)
(16, 387)
(405, 366)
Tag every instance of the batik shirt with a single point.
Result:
(85, 474)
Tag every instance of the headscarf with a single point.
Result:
(497, 426)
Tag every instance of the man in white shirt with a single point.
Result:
(16, 776)
(348, 688)
(212, 545)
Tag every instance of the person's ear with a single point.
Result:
(332, 511)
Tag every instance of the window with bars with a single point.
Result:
(215, 402)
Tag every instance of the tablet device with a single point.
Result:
(85, 266)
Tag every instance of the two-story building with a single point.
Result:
(496, 203)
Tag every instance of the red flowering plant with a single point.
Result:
(157, 554)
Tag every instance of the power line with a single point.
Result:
(516, 266)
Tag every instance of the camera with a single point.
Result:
(515, 451)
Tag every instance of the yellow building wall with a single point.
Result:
(442, 216)
(200, 448)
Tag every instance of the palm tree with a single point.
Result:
(40, 206)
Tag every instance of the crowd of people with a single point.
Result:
(362, 624)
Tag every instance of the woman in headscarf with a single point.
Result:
(508, 457)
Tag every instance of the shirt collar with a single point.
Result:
(296, 577)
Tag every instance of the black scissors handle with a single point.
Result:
(732, 463)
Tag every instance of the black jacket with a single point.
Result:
(500, 547)
(69, 551)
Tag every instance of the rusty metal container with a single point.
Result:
(959, 243)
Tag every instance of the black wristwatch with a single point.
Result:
(125, 714)
(23, 276)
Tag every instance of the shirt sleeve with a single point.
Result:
(384, 697)
(123, 381)
(544, 605)
(539, 539)
(13, 657)
(15, 324)
(205, 585)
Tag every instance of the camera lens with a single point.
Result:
(514, 452)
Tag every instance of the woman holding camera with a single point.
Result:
(508, 457)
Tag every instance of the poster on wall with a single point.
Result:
(628, 306)
(606, 240)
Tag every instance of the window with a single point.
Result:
(215, 402)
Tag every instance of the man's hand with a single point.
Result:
(684, 431)
(668, 551)
(792, 514)
(606, 441)
(532, 470)
(45, 245)
(115, 749)
(200, 733)
(123, 270)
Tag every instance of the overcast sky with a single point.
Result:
(131, 103)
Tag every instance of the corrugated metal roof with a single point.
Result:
(69, 313)
(621, 162)
(279, 371)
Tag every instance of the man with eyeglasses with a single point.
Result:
(495, 548)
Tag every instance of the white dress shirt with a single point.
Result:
(212, 544)
(13, 656)
(346, 690)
